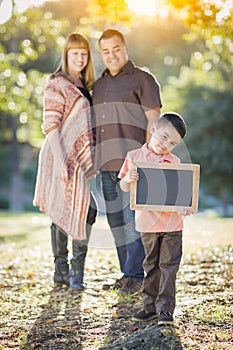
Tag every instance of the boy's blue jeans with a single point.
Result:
(121, 221)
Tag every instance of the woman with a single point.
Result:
(65, 160)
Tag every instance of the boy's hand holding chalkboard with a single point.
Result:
(132, 176)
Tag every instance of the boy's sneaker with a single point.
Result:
(165, 318)
(130, 286)
(143, 315)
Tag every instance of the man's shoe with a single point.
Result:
(143, 315)
(165, 318)
(117, 284)
(130, 286)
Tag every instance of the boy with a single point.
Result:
(161, 231)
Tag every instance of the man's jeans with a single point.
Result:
(121, 221)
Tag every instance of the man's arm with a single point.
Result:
(152, 115)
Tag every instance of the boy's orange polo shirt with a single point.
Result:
(152, 221)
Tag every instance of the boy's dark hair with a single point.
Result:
(109, 33)
(176, 120)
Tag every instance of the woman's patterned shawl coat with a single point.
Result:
(66, 203)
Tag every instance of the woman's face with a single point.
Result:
(77, 60)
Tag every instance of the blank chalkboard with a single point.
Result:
(165, 187)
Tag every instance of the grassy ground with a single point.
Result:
(35, 315)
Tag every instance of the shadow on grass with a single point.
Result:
(58, 326)
(138, 335)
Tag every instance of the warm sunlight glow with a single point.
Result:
(143, 7)
(140, 7)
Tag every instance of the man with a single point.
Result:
(126, 102)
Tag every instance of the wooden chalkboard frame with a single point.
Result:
(193, 207)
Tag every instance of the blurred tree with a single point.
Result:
(206, 107)
(203, 93)
(72, 10)
(210, 23)
(102, 14)
(167, 51)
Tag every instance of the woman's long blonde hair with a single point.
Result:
(77, 41)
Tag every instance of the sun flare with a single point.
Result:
(142, 7)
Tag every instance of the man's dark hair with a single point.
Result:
(176, 120)
(109, 33)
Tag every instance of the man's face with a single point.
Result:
(114, 54)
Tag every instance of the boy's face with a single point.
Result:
(164, 138)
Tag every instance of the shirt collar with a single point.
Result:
(168, 157)
(128, 68)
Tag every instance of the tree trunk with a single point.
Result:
(15, 195)
(225, 200)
